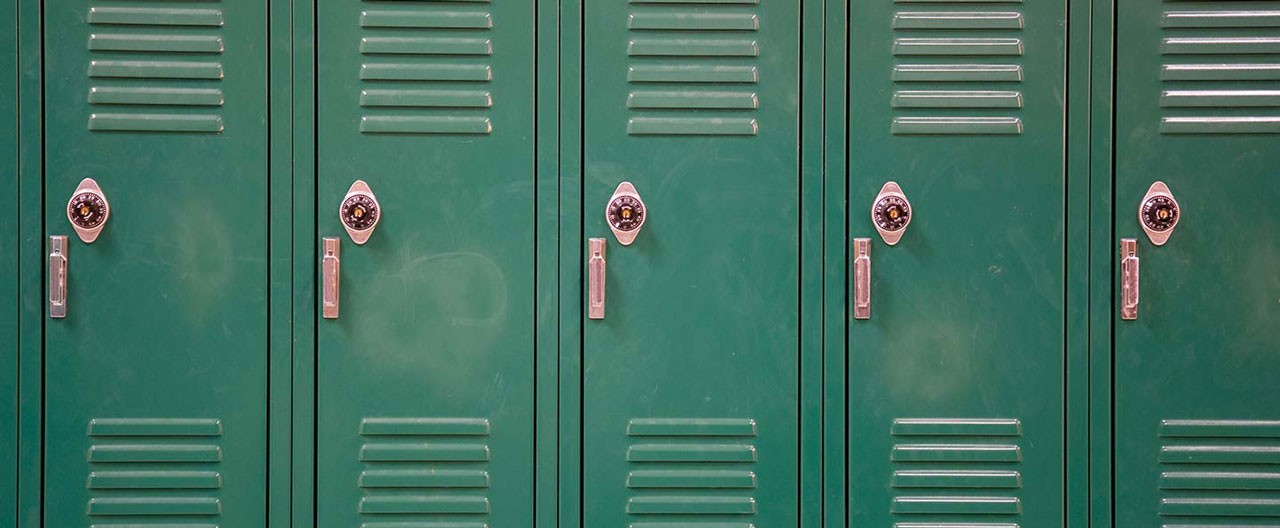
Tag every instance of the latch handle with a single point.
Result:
(862, 278)
(331, 274)
(595, 280)
(1129, 290)
(58, 276)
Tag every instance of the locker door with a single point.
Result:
(155, 381)
(956, 378)
(1197, 431)
(690, 395)
(425, 378)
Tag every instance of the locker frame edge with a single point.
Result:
(31, 245)
(9, 273)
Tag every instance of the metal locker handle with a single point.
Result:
(862, 278)
(331, 274)
(595, 280)
(58, 276)
(1129, 289)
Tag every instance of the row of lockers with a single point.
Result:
(644, 263)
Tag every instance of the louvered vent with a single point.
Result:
(697, 471)
(957, 67)
(1219, 473)
(693, 66)
(422, 471)
(154, 472)
(956, 472)
(1221, 68)
(155, 67)
(426, 67)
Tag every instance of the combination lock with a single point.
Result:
(87, 210)
(1159, 213)
(891, 213)
(359, 212)
(625, 213)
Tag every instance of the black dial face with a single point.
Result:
(359, 212)
(891, 213)
(1159, 213)
(625, 213)
(87, 210)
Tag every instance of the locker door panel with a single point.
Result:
(690, 388)
(1196, 107)
(155, 382)
(425, 378)
(956, 378)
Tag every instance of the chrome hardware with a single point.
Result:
(891, 213)
(862, 278)
(1159, 213)
(88, 210)
(595, 280)
(359, 212)
(625, 213)
(58, 276)
(331, 275)
(1129, 279)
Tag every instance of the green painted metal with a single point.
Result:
(31, 304)
(9, 264)
(702, 331)
(960, 367)
(427, 375)
(1194, 426)
(280, 256)
(161, 364)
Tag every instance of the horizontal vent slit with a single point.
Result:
(956, 99)
(693, 47)
(428, 99)
(154, 426)
(433, 20)
(157, 16)
(691, 453)
(155, 480)
(155, 453)
(691, 479)
(700, 73)
(695, 21)
(957, 46)
(692, 505)
(935, 505)
(427, 478)
(957, 73)
(424, 452)
(155, 69)
(426, 72)
(956, 125)
(692, 126)
(156, 96)
(958, 20)
(155, 506)
(156, 43)
(425, 125)
(426, 46)
(418, 504)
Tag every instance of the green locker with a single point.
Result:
(9, 298)
(1197, 324)
(425, 330)
(690, 347)
(155, 337)
(957, 273)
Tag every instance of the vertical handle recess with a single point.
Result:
(331, 274)
(862, 278)
(1129, 288)
(58, 276)
(595, 280)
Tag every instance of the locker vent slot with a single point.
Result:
(423, 471)
(693, 66)
(426, 67)
(1221, 67)
(957, 68)
(1219, 472)
(956, 472)
(154, 471)
(155, 68)
(700, 467)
